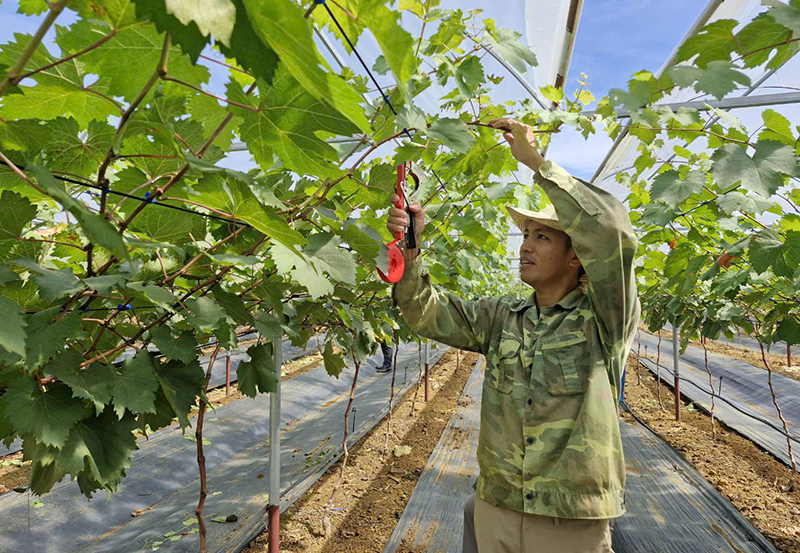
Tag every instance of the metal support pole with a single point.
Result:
(275, 452)
(228, 375)
(676, 369)
(427, 369)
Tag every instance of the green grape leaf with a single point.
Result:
(300, 270)
(99, 448)
(763, 173)
(325, 254)
(32, 7)
(16, 212)
(334, 363)
(53, 284)
(412, 117)
(714, 42)
(395, 42)
(46, 415)
(51, 334)
(50, 102)
(166, 225)
(786, 15)
(236, 199)
(128, 60)
(759, 38)
(670, 188)
(454, 133)
(286, 125)
(789, 331)
(12, 327)
(718, 78)
(657, 213)
(508, 45)
(766, 252)
(183, 348)
(778, 128)
(94, 382)
(692, 274)
(469, 77)
(158, 295)
(205, 314)
(182, 383)
(73, 151)
(97, 229)
(215, 17)
(791, 250)
(188, 36)
(264, 194)
(233, 306)
(281, 25)
(136, 385)
(366, 241)
(258, 374)
(268, 326)
(248, 49)
(736, 201)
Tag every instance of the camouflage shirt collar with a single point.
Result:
(567, 302)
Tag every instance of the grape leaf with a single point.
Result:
(454, 133)
(280, 24)
(507, 44)
(395, 42)
(286, 124)
(713, 42)
(94, 382)
(16, 212)
(268, 326)
(158, 295)
(166, 225)
(97, 229)
(135, 386)
(46, 415)
(786, 15)
(718, 78)
(182, 383)
(258, 374)
(334, 363)
(300, 271)
(789, 331)
(73, 151)
(99, 449)
(763, 173)
(246, 48)
(53, 284)
(215, 17)
(758, 38)
(129, 59)
(12, 327)
(670, 188)
(188, 36)
(766, 252)
(736, 201)
(412, 117)
(183, 348)
(51, 334)
(233, 306)
(325, 253)
(205, 314)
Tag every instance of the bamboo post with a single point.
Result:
(789, 354)
(275, 452)
(228, 375)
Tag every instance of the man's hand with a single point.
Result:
(397, 221)
(522, 141)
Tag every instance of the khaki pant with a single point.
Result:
(492, 529)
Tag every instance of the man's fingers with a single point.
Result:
(416, 207)
(509, 138)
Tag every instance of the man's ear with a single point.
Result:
(573, 259)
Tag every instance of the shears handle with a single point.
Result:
(411, 236)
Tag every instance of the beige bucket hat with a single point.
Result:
(546, 216)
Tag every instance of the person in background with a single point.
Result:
(387, 358)
(552, 472)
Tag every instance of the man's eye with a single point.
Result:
(543, 236)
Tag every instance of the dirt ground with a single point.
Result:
(777, 362)
(14, 472)
(376, 486)
(747, 476)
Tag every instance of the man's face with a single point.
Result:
(545, 258)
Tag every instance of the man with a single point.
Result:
(387, 358)
(552, 472)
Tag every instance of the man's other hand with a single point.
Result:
(522, 140)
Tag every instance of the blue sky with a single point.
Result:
(615, 39)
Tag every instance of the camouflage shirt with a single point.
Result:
(549, 438)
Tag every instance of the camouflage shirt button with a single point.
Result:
(529, 496)
(530, 440)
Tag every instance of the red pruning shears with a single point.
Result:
(396, 261)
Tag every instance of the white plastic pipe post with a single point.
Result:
(275, 451)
